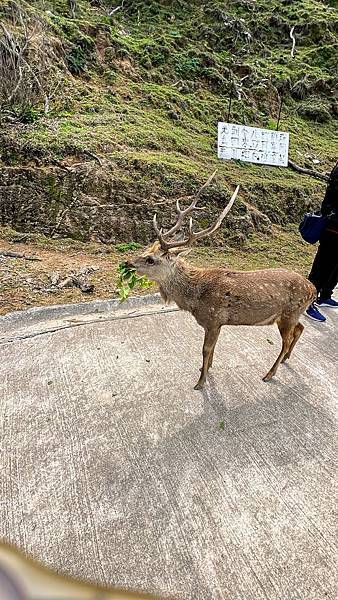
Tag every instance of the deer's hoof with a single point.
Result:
(268, 377)
(199, 386)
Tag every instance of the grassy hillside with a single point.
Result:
(143, 84)
(148, 81)
(109, 110)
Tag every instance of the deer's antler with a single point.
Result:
(193, 236)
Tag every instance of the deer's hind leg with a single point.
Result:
(286, 329)
(297, 332)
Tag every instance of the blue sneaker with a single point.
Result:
(314, 313)
(329, 302)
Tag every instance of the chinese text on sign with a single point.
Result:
(252, 144)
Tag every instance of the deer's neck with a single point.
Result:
(182, 286)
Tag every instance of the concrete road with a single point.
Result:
(116, 471)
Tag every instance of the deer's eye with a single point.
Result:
(150, 261)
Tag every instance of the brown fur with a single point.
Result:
(217, 297)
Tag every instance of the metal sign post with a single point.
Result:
(280, 109)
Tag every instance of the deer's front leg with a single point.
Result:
(211, 357)
(210, 340)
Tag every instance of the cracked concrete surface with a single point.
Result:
(114, 470)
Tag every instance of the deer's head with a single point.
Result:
(159, 260)
(156, 262)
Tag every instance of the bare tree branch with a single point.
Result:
(26, 61)
(310, 172)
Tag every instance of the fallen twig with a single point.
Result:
(69, 168)
(78, 279)
(293, 41)
(310, 172)
(11, 254)
(59, 164)
(92, 155)
(114, 10)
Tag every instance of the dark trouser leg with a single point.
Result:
(330, 284)
(316, 272)
(324, 270)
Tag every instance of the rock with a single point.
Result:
(258, 219)
(172, 114)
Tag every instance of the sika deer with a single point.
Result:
(218, 296)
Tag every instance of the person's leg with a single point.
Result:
(316, 277)
(328, 288)
(331, 267)
(316, 273)
(324, 264)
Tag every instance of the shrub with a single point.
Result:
(315, 111)
(27, 63)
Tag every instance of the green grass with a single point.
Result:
(285, 248)
(126, 246)
(145, 88)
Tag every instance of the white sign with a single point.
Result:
(252, 144)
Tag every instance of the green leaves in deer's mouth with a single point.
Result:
(128, 279)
